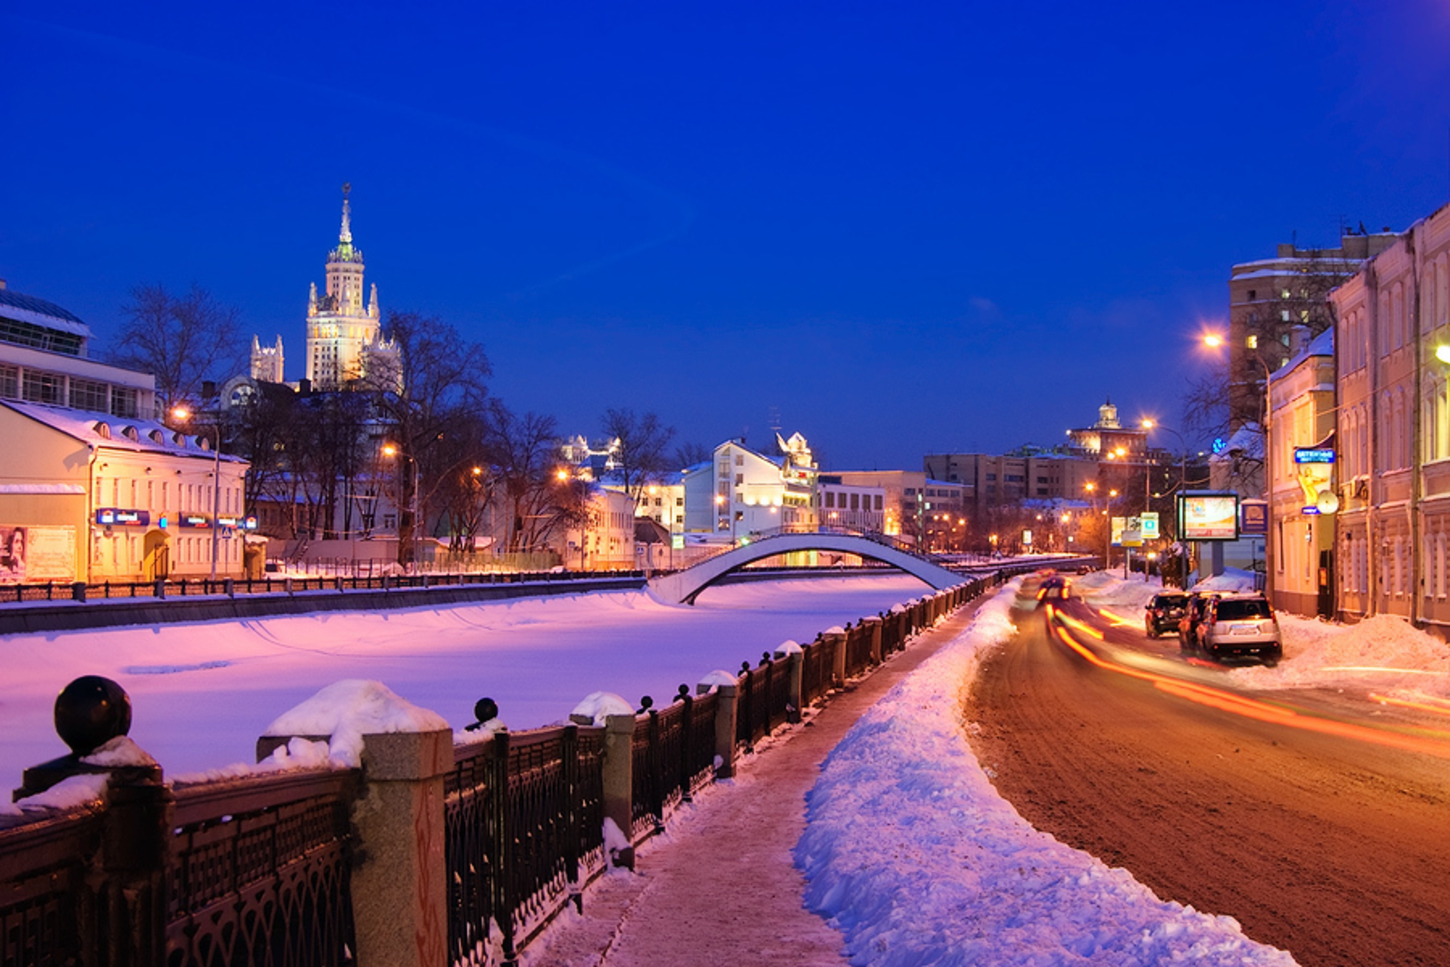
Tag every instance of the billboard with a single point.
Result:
(1208, 517)
(1314, 467)
(30, 554)
(1119, 524)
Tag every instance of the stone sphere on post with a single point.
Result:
(485, 709)
(91, 711)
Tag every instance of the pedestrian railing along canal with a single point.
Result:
(430, 853)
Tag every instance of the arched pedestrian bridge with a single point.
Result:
(684, 586)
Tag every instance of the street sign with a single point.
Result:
(1150, 526)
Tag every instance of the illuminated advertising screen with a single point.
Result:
(1150, 526)
(1208, 517)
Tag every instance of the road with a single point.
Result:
(1319, 822)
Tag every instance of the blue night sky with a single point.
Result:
(906, 228)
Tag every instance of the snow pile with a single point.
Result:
(1383, 654)
(345, 711)
(118, 752)
(717, 678)
(916, 859)
(1104, 589)
(70, 793)
(596, 707)
(1232, 579)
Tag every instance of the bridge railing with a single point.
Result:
(265, 869)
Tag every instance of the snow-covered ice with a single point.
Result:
(202, 693)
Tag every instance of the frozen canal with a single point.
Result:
(202, 693)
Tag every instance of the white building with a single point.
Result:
(741, 492)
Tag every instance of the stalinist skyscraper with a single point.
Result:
(344, 339)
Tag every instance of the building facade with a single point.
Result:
(92, 486)
(345, 341)
(1393, 431)
(1303, 418)
(741, 492)
(1278, 305)
(850, 507)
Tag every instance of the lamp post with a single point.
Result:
(393, 450)
(182, 413)
(1214, 341)
(1151, 425)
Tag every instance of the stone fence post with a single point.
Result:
(400, 886)
(873, 628)
(796, 669)
(619, 781)
(837, 639)
(727, 697)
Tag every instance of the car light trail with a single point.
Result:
(1423, 706)
(1429, 743)
(1380, 668)
(1117, 619)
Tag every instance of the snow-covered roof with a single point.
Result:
(118, 433)
(27, 308)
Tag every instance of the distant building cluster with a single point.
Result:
(1338, 430)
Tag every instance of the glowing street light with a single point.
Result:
(183, 414)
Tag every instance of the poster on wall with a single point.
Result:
(34, 554)
(1208, 517)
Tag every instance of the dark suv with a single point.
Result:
(1163, 613)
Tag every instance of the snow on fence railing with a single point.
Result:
(309, 866)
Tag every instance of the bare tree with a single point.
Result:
(433, 382)
(523, 452)
(639, 448)
(689, 454)
(183, 341)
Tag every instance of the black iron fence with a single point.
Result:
(183, 587)
(260, 870)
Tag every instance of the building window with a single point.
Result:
(43, 388)
(87, 394)
(878, 501)
(9, 383)
(39, 337)
(123, 402)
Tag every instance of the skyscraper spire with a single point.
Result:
(345, 236)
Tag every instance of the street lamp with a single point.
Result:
(1150, 425)
(1214, 341)
(391, 450)
(183, 414)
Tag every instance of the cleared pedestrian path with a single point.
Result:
(720, 887)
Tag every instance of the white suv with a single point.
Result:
(1241, 626)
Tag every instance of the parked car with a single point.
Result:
(1238, 626)
(1193, 611)
(1163, 613)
